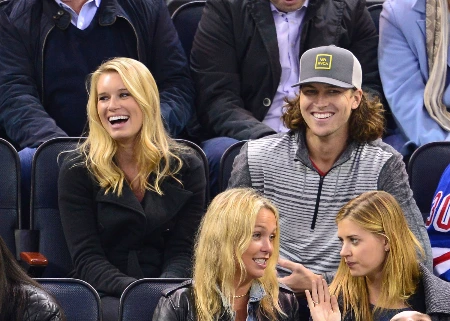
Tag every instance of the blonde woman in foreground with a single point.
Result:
(131, 199)
(379, 275)
(236, 253)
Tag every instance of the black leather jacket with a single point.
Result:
(177, 304)
(40, 306)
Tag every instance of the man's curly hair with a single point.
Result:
(366, 122)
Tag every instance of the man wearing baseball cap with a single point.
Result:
(332, 153)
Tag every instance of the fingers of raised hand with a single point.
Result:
(326, 293)
(311, 304)
(335, 305)
(315, 292)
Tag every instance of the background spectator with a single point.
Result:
(438, 227)
(414, 70)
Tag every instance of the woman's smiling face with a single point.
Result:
(119, 113)
(261, 245)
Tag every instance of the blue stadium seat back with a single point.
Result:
(425, 168)
(140, 298)
(226, 164)
(9, 193)
(78, 299)
(375, 10)
(45, 216)
(185, 20)
(201, 154)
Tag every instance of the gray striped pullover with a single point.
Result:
(280, 168)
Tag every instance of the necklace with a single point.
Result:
(240, 296)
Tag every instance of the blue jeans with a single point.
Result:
(26, 160)
(214, 149)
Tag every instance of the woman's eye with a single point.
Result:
(354, 241)
(256, 235)
(124, 95)
(102, 98)
(272, 237)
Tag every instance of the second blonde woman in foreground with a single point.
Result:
(379, 275)
(234, 270)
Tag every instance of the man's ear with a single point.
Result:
(357, 94)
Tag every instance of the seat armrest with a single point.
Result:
(34, 263)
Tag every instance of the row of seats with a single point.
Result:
(46, 236)
(80, 301)
(140, 299)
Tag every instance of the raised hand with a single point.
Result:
(321, 305)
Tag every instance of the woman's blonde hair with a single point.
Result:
(224, 235)
(154, 149)
(378, 212)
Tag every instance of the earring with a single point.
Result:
(386, 249)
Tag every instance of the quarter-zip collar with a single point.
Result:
(302, 154)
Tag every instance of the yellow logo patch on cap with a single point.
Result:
(323, 61)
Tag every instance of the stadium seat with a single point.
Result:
(375, 10)
(140, 298)
(45, 218)
(9, 194)
(202, 156)
(425, 168)
(185, 20)
(226, 164)
(78, 299)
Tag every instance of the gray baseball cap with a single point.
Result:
(330, 65)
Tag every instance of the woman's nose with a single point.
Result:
(267, 246)
(344, 251)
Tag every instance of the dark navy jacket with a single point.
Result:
(24, 28)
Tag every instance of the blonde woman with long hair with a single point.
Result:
(236, 253)
(379, 274)
(131, 198)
